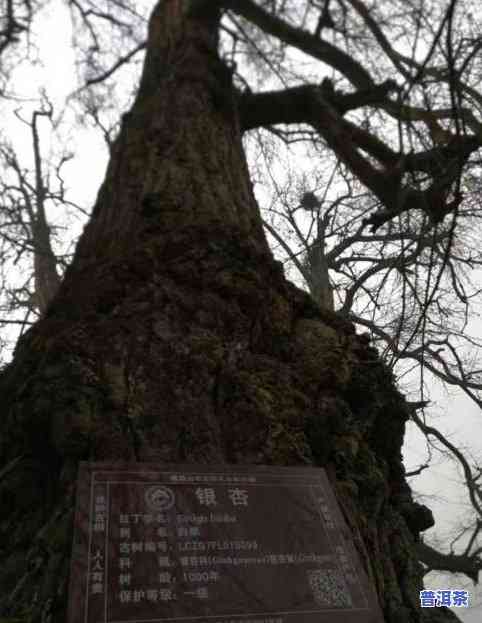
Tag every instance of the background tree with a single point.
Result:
(27, 237)
(377, 287)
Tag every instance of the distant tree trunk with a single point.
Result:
(46, 277)
(316, 266)
(174, 337)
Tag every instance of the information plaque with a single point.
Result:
(213, 544)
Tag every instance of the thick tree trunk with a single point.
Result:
(175, 338)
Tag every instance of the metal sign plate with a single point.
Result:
(213, 544)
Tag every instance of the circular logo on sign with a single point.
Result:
(159, 498)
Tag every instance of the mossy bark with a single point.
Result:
(175, 337)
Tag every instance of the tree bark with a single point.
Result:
(175, 337)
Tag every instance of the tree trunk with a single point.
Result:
(175, 337)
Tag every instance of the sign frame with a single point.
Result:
(99, 494)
